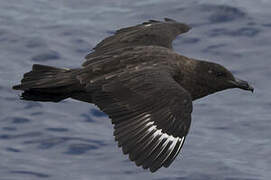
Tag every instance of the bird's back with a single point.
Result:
(129, 59)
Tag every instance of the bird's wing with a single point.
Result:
(156, 33)
(151, 114)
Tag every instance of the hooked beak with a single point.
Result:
(238, 83)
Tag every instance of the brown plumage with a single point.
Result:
(144, 86)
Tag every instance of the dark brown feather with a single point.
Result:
(145, 87)
(145, 127)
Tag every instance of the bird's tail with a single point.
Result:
(46, 83)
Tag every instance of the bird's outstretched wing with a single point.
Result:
(156, 33)
(151, 114)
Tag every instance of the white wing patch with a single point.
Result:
(160, 150)
(147, 25)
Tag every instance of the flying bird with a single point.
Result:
(142, 84)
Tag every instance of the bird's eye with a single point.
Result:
(220, 74)
(217, 73)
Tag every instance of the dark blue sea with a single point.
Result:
(230, 136)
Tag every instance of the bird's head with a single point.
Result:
(211, 77)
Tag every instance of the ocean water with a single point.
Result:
(230, 135)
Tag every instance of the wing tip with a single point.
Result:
(169, 161)
(169, 19)
(149, 162)
(185, 27)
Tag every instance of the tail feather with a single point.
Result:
(46, 83)
(35, 95)
(46, 77)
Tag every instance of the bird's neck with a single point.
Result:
(188, 77)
